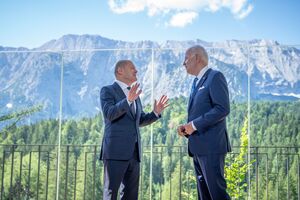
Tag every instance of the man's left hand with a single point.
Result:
(189, 128)
(181, 131)
(161, 104)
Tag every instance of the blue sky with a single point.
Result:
(31, 23)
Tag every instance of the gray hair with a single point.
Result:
(198, 49)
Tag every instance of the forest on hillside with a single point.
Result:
(29, 153)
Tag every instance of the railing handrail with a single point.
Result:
(176, 146)
(92, 145)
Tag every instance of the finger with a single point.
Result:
(180, 133)
(165, 97)
(189, 130)
(132, 91)
(159, 101)
(162, 98)
(163, 107)
(166, 105)
(182, 129)
(183, 133)
(166, 101)
(179, 128)
(135, 86)
(139, 92)
(155, 102)
(136, 95)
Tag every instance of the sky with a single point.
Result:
(31, 23)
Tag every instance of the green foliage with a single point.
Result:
(20, 114)
(16, 116)
(237, 169)
(272, 124)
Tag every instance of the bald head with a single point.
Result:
(125, 71)
(121, 64)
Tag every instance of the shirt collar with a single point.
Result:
(121, 84)
(202, 72)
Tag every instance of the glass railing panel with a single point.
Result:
(274, 120)
(30, 111)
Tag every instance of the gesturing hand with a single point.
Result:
(161, 104)
(134, 92)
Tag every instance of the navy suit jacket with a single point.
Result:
(121, 128)
(208, 108)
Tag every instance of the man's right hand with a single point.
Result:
(181, 131)
(134, 92)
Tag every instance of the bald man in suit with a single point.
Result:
(121, 144)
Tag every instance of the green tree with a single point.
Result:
(236, 171)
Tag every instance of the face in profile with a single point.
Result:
(189, 63)
(129, 72)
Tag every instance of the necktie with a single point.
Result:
(132, 109)
(194, 86)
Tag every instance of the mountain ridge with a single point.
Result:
(32, 76)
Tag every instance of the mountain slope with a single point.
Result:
(33, 76)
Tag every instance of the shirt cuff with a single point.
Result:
(194, 127)
(157, 115)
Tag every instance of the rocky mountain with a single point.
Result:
(81, 64)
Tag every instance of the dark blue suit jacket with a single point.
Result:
(208, 107)
(121, 128)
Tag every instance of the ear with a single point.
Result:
(199, 59)
(120, 70)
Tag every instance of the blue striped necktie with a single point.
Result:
(194, 86)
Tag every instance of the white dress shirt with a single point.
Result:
(201, 73)
(126, 91)
(124, 87)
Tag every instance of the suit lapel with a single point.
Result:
(202, 80)
(121, 94)
(119, 90)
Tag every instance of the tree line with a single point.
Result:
(35, 169)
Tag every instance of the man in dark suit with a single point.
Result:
(121, 145)
(206, 131)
